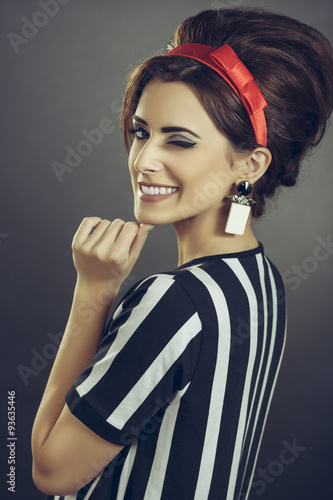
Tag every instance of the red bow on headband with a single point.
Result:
(226, 62)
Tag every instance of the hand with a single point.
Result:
(106, 257)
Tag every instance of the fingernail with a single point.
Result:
(151, 227)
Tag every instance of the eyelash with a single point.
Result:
(181, 144)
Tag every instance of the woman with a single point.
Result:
(170, 402)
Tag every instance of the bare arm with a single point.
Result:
(65, 451)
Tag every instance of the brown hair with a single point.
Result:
(292, 64)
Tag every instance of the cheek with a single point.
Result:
(193, 169)
(209, 172)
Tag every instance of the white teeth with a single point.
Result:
(156, 190)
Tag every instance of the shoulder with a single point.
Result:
(156, 286)
(152, 300)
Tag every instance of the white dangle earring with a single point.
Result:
(239, 209)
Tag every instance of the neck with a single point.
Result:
(204, 235)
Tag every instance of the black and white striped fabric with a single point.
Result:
(183, 378)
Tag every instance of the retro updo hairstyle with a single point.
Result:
(292, 64)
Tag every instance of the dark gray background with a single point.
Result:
(67, 78)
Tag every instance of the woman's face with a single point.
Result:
(196, 161)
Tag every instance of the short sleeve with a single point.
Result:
(149, 353)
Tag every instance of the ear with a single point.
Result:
(255, 164)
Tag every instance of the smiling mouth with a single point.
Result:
(157, 190)
(156, 193)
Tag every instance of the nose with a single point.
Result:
(149, 158)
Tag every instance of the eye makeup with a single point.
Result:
(166, 130)
(180, 143)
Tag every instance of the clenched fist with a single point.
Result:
(105, 257)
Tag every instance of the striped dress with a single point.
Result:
(183, 378)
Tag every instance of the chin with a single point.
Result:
(145, 220)
(155, 221)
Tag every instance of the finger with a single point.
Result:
(106, 233)
(84, 229)
(98, 231)
(124, 241)
(139, 241)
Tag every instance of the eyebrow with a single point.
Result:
(167, 129)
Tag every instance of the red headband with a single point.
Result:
(226, 62)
